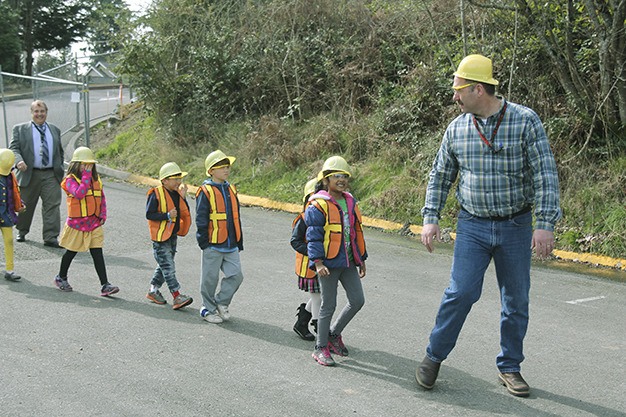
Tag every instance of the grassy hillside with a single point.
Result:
(273, 161)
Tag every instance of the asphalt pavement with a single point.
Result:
(79, 354)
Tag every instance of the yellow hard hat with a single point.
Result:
(476, 68)
(335, 164)
(215, 157)
(309, 188)
(7, 159)
(171, 169)
(83, 154)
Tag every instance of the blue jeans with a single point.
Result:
(164, 253)
(479, 240)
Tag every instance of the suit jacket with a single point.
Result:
(22, 147)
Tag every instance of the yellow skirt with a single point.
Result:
(77, 241)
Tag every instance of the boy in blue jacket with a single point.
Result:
(220, 238)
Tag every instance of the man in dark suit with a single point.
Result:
(39, 160)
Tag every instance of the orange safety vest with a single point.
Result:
(333, 228)
(218, 218)
(86, 206)
(160, 231)
(302, 261)
(18, 205)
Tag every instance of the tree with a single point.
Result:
(109, 26)
(48, 25)
(585, 42)
(10, 47)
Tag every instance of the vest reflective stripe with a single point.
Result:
(358, 229)
(302, 261)
(160, 231)
(218, 218)
(333, 229)
(86, 206)
(162, 204)
(17, 198)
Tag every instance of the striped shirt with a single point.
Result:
(519, 171)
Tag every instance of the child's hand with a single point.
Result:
(321, 269)
(183, 190)
(362, 269)
(173, 213)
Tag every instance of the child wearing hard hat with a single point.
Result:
(10, 204)
(86, 214)
(167, 212)
(337, 253)
(307, 278)
(220, 238)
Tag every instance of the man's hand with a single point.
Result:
(430, 233)
(543, 242)
(21, 166)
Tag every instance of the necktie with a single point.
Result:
(45, 153)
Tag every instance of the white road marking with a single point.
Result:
(584, 300)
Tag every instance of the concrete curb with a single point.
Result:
(587, 258)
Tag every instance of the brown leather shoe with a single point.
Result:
(515, 384)
(426, 373)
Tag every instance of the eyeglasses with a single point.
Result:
(339, 176)
(460, 87)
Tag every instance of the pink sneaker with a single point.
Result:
(62, 284)
(108, 289)
(322, 356)
(335, 344)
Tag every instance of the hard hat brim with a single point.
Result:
(468, 77)
(176, 176)
(231, 160)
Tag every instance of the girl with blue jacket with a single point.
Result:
(337, 253)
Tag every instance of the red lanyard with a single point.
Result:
(494, 133)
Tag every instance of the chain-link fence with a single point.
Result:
(62, 96)
(66, 93)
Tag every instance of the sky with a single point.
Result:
(138, 5)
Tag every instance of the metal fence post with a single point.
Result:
(4, 109)
(86, 107)
(76, 78)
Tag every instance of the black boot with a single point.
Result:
(314, 324)
(302, 324)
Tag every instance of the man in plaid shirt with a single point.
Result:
(501, 155)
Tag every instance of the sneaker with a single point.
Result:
(62, 284)
(335, 344)
(156, 297)
(108, 289)
(210, 317)
(11, 276)
(181, 301)
(322, 356)
(223, 312)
